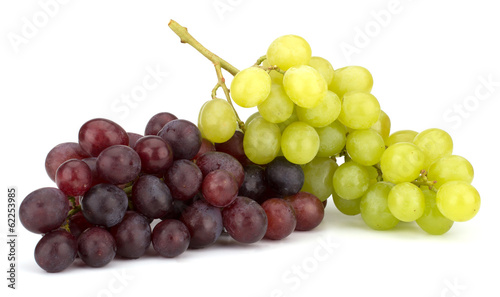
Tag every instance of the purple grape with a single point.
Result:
(56, 251)
(151, 197)
(118, 164)
(98, 134)
(77, 224)
(184, 138)
(211, 161)
(234, 147)
(204, 223)
(132, 138)
(74, 177)
(183, 179)
(309, 210)
(245, 220)
(284, 177)
(132, 235)
(281, 220)
(96, 247)
(44, 210)
(219, 188)
(104, 205)
(170, 238)
(92, 163)
(157, 122)
(60, 154)
(155, 153)
(254, 184)
(206, 146)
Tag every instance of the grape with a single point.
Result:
(276, 76)
(299, 143)
(157, 122)
(283, 177)
(206, 146)
(281, 220)
(332, 139)
(151, 197)
(291, 119)
(104, 205)
(132, 138)
(351, 180)
(254, 185)
(92, 163)
(309, 210)
(44, 210)
(77, 224)
(402, 162)
(262, 141)
(96, 247)
(304, 85)
(250, 87)
(406, 202)
(118, 164)
(251, 118)
(219, 188)
(183, 179)
(184, 138)
(245, 220)
(365, 146)
(97, 134)
(318, 176)
(458, 201)
(74, 177)
(234, 147)
(324, 68)
(327, 111)
(132, 235)
(217, 160)
(60, 154)
(56, 251)
(170, 238)
(349, 79)
(435, 143)
(287, 51)
(450, 168)
(217, 120)
(374, 207)
(433, 221)
(401, 136)
(155, 153)
(383, 126)
(347, 207)
(204, 223)
(360, 110)
(277, 107)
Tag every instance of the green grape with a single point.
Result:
(351, 180)
(299, 143)
(250, 87)
(347, 207)
(252, 117)
(276, 77)
(261, 141)
(401, 136)
(383, 126)
(406, 202)
(323, 114)
(291, 119)
(365, 146)
(304, 85)
(402, 162)
(324, 68)
(351, 78)
(288, 51)
(318, 176)
(360, 110)
(433, 221)
(458, 201)
(277, 107)
(372, 173)
(217, 121)
(332, 139)
(450, 168)
(374, 207)
(435, 143)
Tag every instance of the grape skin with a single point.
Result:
(287, 51)
(56, 251)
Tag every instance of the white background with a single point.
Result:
(429, 60)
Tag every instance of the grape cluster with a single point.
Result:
(118, 193)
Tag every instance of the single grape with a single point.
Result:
(360, 110)
(206, 146)
(151, 197)
(299, 143)
(458, 201)
(365, 146)
(347, 207)
(218, 160)
(284, 177)
(219, 188)
(217, 120)
(291, 119)
(56, 251)
(132, 138)
(118, 164)
(406, 202)
(401, 136)
(184, 138)
(252, 117)
(157, 122)
(324, 68)
(305, 86)
(132, 235)
(254, 185)
(204, 223)
(281, 220)
(234, 147)
(349, 79)
(374, 207)
(77, 224)
(261, 141)
(450, 168)
(245, 220)
(323, 114)
(74, 177)
(184, 179)
(318, 176)
(98, 134)
(60, 154)
(433, 221)
(402, 162)
(287, 51)
(332, 139)
(104, 205)
(170, 238)
(351, 180)
(309, 210)
(250, 87)
(44, 210)
(383, 126)
(277, 107)
(96, 247)
(435, 143)
(155, 153)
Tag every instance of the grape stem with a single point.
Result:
(221, 82)
(424, 181)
